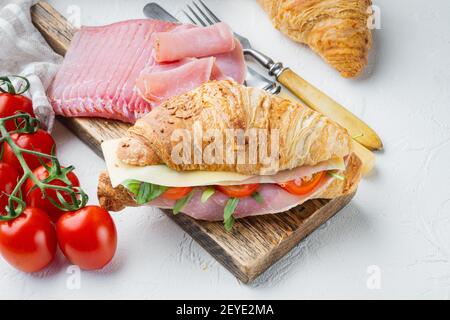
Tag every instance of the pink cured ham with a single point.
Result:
(111, 72)
(165, 81)
(276, 200)
(193, 43)
(98, 76)
(231, 65)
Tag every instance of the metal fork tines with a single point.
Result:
(209, 18)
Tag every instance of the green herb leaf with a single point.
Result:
(132, 186)
(336, 175)
(143, 193)
(228, 212)
(258, 198)
(229, 224)
(180, 204)
(156, 191)
(208, 193)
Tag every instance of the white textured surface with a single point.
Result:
(399, 220)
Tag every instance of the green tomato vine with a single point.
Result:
(26, 124)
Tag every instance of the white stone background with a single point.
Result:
(399, 220)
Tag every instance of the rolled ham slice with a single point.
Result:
(163, 81)
(231, 65)
(193, 43)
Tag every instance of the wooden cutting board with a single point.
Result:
(256, 243)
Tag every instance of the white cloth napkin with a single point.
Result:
(23, 51)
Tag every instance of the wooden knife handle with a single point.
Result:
(322, 103)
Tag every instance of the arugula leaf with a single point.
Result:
(229, 224)
(144, 192)
(228, 212)
(180, 204)
(132, 185)
(336, 175)
(258, 198)
(208, 193)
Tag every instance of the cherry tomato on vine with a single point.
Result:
(240, 191)
(35, 199)
(9, 177)
(176, 193)
(28, 242)
(12, 104)
(87, 237)
(303, 186)
(40, 141)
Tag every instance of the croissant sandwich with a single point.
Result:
(335, 29)
(225, 151)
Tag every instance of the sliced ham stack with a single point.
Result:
(116, 72)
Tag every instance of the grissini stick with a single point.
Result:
(319, 101)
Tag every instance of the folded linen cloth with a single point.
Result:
(23, 51)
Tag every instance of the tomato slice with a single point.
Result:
(301, 187)
(176, 193)
(240, 191)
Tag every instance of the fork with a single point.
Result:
(199, 13)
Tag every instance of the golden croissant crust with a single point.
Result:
(305, 136)
(335, 29)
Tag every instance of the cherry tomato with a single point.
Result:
(302, 187)
(35, 199)
(8, 180)
(240, 191)
(11, 104)
(87, 237)
(176, 193)
(28, 242)
(41, 141)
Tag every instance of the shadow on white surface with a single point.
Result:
(348, 224)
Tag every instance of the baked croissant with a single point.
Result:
(305, 136)
(335, 29)
(308, 143)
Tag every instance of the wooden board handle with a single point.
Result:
(322, 103)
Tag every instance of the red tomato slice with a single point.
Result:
(41, 141)
(28, 242)
(35, 198)
(176, 193)
(305, 186)
(240, 191)
(87, 237)
(8, 181)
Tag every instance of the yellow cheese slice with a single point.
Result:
(163, 175)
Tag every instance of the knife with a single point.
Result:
(253, 79)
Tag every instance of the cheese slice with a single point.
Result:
(164, 176)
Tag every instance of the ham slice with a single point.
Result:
(164, 81)
(111, 72)
(231, 65)
(276, 200)
(98, 76)
(193, 43)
